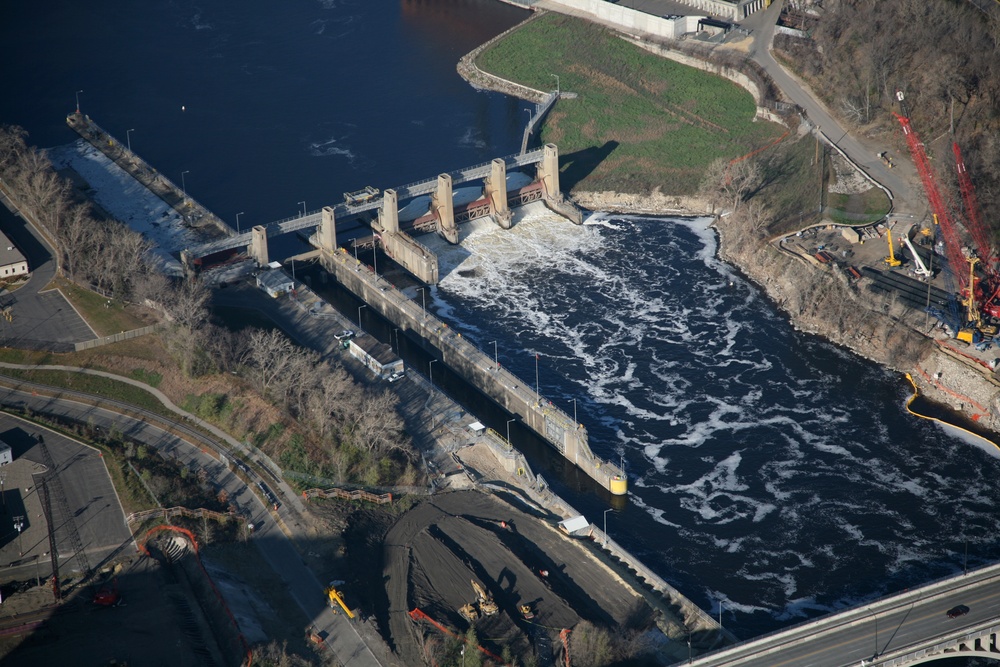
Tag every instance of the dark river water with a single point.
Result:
(771, 472)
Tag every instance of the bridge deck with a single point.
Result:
(342, 210)
(901, 629)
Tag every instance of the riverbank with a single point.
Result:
(817, 299)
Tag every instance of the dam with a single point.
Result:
(446, 346)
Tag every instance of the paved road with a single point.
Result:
(903, 622)
(301, 582)
(42, 319)
(902, 181)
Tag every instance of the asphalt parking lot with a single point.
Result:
(86, 515)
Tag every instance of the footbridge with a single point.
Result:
(909, 628)
(443, 214)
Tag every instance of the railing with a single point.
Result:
(851, 616)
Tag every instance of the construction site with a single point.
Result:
(469, 560)
(942, 266)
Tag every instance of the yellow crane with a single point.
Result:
(333, 596)
(891, 259)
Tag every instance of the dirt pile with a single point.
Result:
(432, 553)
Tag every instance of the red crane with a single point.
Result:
(942, 212)
(990, 289)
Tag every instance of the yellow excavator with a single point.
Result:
(334, 598)
(486, 604)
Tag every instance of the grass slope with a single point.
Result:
(640, 121)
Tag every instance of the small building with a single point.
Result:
(12, 262)
(575, 525)
(6, 454)
(274, 281)
(377, 357)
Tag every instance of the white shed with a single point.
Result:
(6, 454)
(575, 524)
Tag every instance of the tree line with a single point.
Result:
(350, 432)
(945, 57)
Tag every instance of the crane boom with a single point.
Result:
(953, 247)
(973, 219)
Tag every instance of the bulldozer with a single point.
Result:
(486, 604)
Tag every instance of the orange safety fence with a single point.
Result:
(194, 543)
(354, 494)
(418, 615)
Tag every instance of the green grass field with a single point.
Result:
(640, 121)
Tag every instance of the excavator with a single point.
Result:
(486, 604)
(526, 612)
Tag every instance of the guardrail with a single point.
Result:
(733, 655)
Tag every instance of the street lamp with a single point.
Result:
(4, 497)
(496, 359)
(423, 296)
(720, 615)
(575, 421)
(78, 100)
(430, 371)
(508, 429)
(875, 616)
(184, 184)
(528, 111)
(557, 83)
(128, 138)
(303, 208)
(238, 221)
(359, 313)
(610, 509)
(19, 525)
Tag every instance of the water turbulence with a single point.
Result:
(770, 471)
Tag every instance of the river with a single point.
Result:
(773, 476)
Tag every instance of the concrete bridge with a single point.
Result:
(909, 628)
(442, 217)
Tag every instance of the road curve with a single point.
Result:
(141, 425)
(907, 195)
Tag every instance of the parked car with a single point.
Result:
(345, 334)
(398, 375)
(960, 610)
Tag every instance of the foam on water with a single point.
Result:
(780, 469)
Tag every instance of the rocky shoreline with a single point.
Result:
(822, 302)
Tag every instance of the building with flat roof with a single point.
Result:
(12, 262)
(377, 357)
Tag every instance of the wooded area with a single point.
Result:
(944, 55)
(346, 431)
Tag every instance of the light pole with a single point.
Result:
(128, 138)
(508, 429)
(496, 358)
(303, 208)
(430, 371)
(538, 394)
(19, 525)
(557, 83)
(577, 423)
(610, 509)
(965, 563)
(359, 313)
(875, 616)
(528, 111)
(4, 497)
(720, 615)
(238, 221)
(423, 296)
(78, 100)
(184, 188)
(689, 647)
